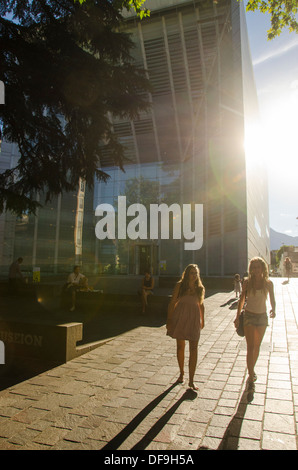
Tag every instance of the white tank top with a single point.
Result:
(256, 303)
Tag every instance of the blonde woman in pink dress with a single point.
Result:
(186, 318)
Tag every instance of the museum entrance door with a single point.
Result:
(144, 257)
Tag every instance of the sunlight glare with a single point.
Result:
(274, 140)
(254, 144)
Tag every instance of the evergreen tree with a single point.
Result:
(67, 67)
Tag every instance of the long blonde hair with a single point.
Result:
(251, 282)
(184, 283)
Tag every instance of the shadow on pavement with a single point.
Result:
(12, 374)
(156, 428)
(230, 440)
(98, 325)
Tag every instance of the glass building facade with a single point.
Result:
(187, 150)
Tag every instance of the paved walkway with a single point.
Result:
(123, 394)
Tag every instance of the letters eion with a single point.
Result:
(137, 227)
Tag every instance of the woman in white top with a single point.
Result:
(255, 291)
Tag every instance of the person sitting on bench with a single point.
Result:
(76, 281)
(147, 289)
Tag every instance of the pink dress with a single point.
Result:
(185, 322)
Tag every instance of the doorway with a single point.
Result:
(143, 257)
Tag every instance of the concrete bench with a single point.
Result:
(44, 341)
(83, 298)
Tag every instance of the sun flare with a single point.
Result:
(254, 144)
(273, 140)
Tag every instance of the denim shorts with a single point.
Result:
(255, 319)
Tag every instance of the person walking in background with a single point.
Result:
(255, 291)
(237, 285)
(288, 267)
(186, 318)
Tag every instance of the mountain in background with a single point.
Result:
(278, 239)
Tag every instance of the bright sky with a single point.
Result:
(276, 75)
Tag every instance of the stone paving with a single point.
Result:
(123, 395)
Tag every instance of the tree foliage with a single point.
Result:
(283, 14)
(280, 252)
(128, 4)
(67, 68)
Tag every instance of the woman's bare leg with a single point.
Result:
(180, 357)
(254, 336)
(193, 358)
